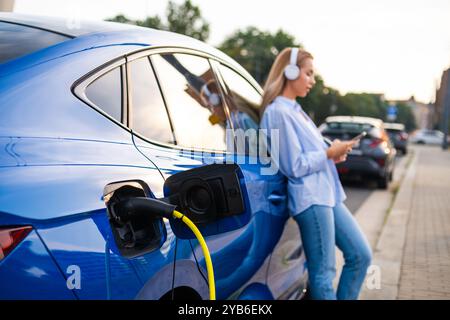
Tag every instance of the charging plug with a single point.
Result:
(137, 207)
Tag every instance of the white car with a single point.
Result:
(428, 137)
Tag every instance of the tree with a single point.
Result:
(405, 115)
(362, 104)
(321, 101)
(121, 18)
(151, 22)
(185, 18)
(256, 50)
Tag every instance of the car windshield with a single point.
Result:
(18, 40)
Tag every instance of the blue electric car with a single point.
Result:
(100, 110)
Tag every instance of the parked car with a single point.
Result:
(373, 157)
(113, 110)
(398, 136)
(425, 136)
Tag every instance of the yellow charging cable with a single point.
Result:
(209, 266)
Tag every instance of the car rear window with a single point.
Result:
(350, 127)
(18, 40)
(393, 130)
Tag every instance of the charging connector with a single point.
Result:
(201, 240)
(140, 207)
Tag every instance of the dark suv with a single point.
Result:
(398, 136)
(372, 157)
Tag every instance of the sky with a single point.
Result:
(396, 47)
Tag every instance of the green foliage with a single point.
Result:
(321, 101)
(185, 18)
(362, 104)
(121, 18)
(151, 22)
(405, 115)
(256, 50)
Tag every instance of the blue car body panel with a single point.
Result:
(56, 156)
(18, 275)
(233, 254)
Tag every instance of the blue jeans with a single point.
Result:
(322, 228)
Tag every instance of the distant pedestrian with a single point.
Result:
(315, 192)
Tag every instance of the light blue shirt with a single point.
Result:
(312, 177)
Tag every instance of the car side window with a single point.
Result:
(193, 100)
(243, 100)
(148, 113)
(106, 93)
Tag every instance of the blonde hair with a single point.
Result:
(276, 80)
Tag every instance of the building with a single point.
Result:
(423, 112)
(440, 100)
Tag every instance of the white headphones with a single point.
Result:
(213, 98)
(292, 70)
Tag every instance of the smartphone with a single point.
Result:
(327, 141)
(360, 136)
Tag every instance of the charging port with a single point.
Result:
(207, 193)
(134, 235)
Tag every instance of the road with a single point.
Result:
(358, 191)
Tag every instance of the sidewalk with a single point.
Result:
(413, 249)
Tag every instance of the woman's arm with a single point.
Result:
(293, 160)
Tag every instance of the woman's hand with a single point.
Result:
(339, 149)
(340, 159)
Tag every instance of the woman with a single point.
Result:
(315, 193)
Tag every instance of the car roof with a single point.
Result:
(428, 131)
(96, 34)
(355, 119)
(394, 126)
(62, 25)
